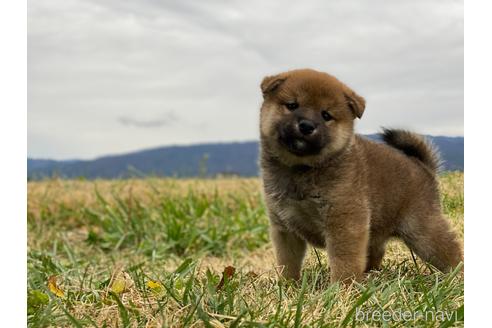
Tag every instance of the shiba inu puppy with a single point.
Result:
(326, 186)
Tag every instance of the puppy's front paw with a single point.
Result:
(290, 274)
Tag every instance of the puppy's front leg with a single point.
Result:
(289, 250)
(347, 249)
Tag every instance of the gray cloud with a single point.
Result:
(170, 119)
(93, 63)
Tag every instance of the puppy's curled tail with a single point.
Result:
(414, 145)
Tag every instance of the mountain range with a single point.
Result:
(201, 160)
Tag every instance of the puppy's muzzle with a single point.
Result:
(306, 127)
(300, 137)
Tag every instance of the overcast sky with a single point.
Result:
(111, 76)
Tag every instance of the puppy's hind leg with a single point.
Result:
(289, 251)
(432, 239)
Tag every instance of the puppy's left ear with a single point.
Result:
(356, 103)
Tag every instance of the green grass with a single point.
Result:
(181, 235)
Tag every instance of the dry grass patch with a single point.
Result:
(151, 253)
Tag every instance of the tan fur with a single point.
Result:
(351, 195)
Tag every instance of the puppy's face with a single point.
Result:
(307, 116)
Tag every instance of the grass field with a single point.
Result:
(182, 253)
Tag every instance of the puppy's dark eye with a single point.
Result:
(292, 106)
(326, 116)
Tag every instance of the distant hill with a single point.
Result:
(236, 158)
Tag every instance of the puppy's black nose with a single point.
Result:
(306, 127)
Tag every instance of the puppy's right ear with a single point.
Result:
(271, 83)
